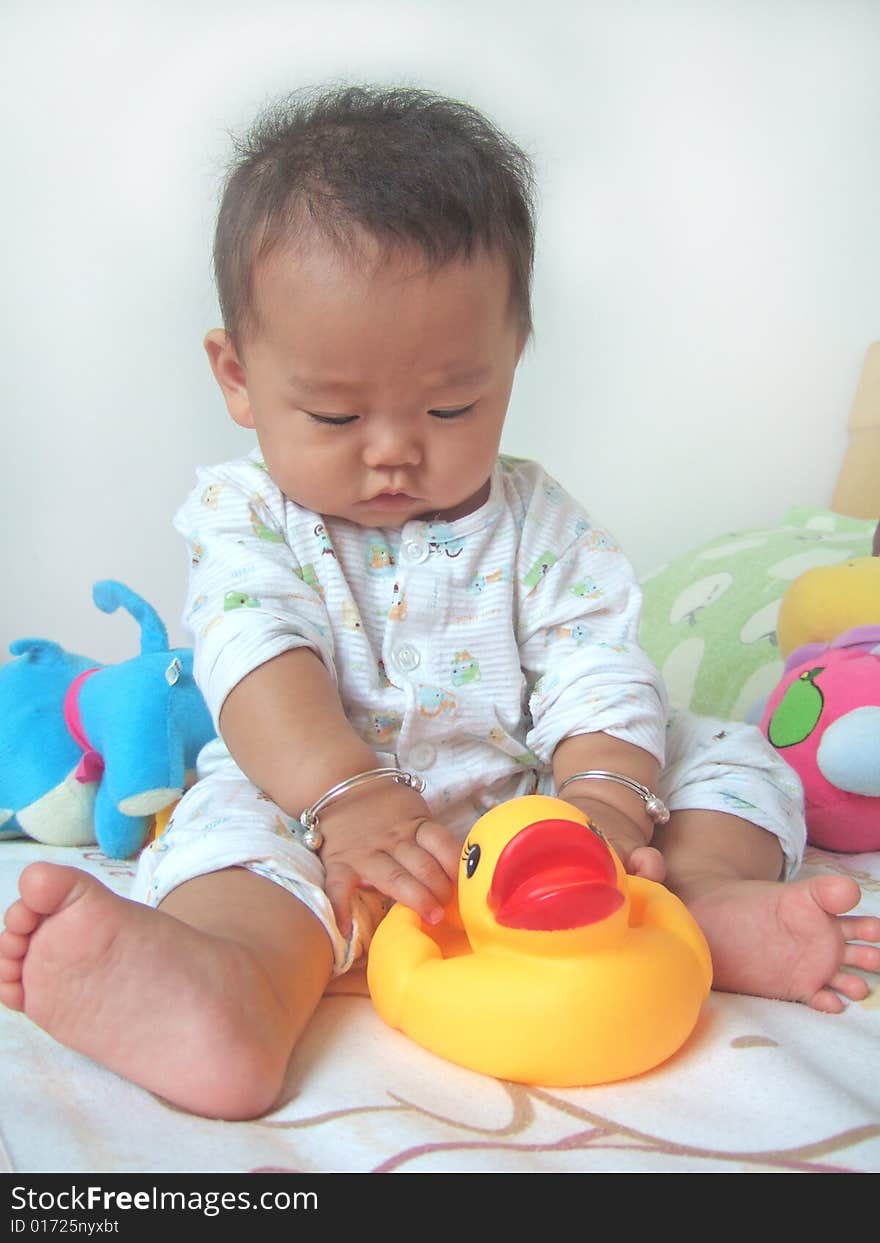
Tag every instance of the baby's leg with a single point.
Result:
(200, 1002)
(769, 938)
(735, 836)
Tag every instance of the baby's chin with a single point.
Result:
(460, 509)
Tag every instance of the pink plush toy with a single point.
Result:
(824, 719)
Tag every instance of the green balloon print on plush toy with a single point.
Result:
(798, 712)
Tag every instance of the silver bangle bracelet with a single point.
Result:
(312, 837)
(655, 809)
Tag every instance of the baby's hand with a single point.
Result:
(645, 861)
(637, 857)
(385, 839)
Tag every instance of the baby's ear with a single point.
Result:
(230, 375)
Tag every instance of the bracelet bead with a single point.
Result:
(655, 809)
(312, 837)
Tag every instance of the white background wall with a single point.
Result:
(708, 277)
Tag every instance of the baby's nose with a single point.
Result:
(393, 444)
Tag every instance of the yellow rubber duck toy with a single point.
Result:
(553, 966)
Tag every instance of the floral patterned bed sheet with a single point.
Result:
(759, 1086)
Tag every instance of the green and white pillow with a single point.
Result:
(709, 618)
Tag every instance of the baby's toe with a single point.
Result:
(10, 970)
(21, 919)
(12, 945)
(855, 987)
(12, 994)
(865, 957)
(826, 1001)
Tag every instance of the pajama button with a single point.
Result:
(407, 658)
(422, 755)
(415, 550)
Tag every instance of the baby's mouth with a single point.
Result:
(391, 497)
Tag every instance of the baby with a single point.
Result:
(386, 612)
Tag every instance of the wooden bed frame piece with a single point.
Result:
(857, 492)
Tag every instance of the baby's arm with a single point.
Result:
(617, 811)
(286, 728)
(578, 620)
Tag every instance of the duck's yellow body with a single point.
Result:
(554, 967)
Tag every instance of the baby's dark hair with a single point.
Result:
(409, 167)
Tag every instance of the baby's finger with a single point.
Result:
(424, 868)
(340, 882)
(392, 877)
(647, 861)
(438, 841)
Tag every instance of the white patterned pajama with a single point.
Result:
(463, 651)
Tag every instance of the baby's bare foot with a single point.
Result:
(163, 1004)
(790, 941)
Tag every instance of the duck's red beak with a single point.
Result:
(554, 875)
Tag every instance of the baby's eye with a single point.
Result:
(452, 414)
(332, 420)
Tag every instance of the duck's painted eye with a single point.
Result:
(472, 859)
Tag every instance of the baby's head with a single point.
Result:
(373, 258)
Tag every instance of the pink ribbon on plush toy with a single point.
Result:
(91, 766)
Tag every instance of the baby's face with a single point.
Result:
(377, 390)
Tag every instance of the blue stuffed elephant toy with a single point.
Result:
(92, 752)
